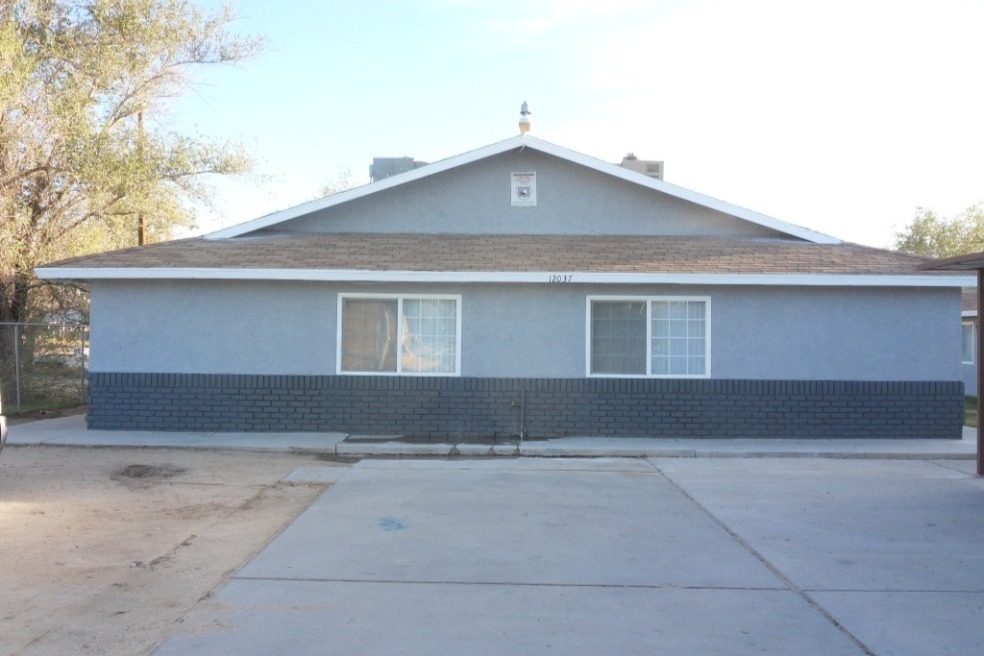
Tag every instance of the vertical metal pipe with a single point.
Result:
(82, 362)
(980, 372)
(522, 417)
(17, 367)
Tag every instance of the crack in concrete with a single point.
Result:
(528, 584)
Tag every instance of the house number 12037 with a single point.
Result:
(562, 277)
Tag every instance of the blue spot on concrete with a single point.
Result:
(391, 524)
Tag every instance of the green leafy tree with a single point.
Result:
(930, 236)
(81, 161)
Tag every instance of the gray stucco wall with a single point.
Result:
(571, 199)
(527, 331)
(210, 327)
(838, 334)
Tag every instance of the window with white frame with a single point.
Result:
(399, 334)
(655, 336)
(969, 342)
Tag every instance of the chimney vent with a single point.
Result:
(652, 168)
(384, 167)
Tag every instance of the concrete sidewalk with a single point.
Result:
(71, 431)
(585, 556)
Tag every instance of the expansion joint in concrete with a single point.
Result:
(769, 565)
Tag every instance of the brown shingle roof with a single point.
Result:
(507, 253)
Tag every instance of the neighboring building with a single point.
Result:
(522, 288)
(969, 327)
(3, 426)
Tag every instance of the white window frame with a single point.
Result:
(973, 341)
(399, 298)
(648, 300)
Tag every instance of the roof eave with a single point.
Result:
(368, 189)
(508, 277)
(643, 180)
(967, 262)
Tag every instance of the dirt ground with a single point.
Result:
(104, 551)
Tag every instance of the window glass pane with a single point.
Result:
(369, 341)
(678, 367)
(618, 337)
(428, 336)
(411, 335)
(968, 342)
(678, 343)
(678, 309)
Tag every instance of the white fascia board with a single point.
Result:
(368, 189)
(684, 194)
(524, 277)
(513, 143)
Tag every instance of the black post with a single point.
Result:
(980, 372)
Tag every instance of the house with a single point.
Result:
(969, 326)
(522, 289)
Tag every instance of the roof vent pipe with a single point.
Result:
(524, 120)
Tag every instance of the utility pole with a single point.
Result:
(141, 221)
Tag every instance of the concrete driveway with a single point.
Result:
(616, 556)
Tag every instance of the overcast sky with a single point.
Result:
(843, 116)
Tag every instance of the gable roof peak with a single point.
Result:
(520, 142)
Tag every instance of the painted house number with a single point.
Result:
(561, 277)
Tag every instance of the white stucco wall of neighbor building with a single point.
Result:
(527, 331)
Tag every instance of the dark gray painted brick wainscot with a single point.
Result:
(547, 407)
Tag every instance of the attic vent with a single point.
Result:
(384, 167)
(652, 168)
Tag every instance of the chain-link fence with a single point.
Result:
(43, 365)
